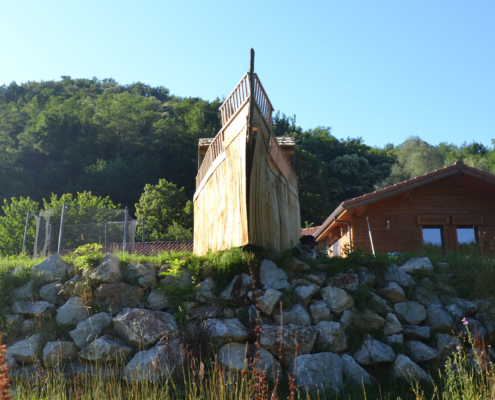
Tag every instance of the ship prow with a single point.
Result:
(246, 188)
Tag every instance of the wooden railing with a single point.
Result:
(281, 161)
(262, 100)
(216, 147)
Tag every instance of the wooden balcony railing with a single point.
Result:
(216, 147)
(280, 160)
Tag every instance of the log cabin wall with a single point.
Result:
(438, 203)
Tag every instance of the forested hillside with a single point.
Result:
(111, 139)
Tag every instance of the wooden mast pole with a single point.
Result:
(251, 136)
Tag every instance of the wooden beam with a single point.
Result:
(361, 210)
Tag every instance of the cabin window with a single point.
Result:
(467, 237)
(433, 237)
(336, 249)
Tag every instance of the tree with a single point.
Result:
(163, 207)
(12, 225)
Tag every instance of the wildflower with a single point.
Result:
(458, 348)
(465, 322)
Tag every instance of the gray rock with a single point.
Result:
(50, 292)
(354, 373)
(36, 309)
(157, 301)
(72, 312)
(304, 294)
(24, 293)
(237, 356)
(416, 332)
(337, 299)
(143, 274)
(415, 265)
(318, 372)
(298, 265)
(445, 290)
(439, 319)
(456, 311)
(112, 298)
(272, 277)
(488, 321)
(393, 292)
(303, 336)
(426, 283)
(347, 318)
(367, 320)
(319, 311)
(484, 306)
(184, 279)
(406, 369)
(205, 312)
(28, 326)
(74, 287)
(71, 271)
(269, 301)
(297, 315)
(13, 322)
(51, 270)
(108, 271)
(474, 327)
(365, 277)
(90, 329)
(206, 291)
(25, 351)
(425, 297)
(158, 364)
(394, 274)
(238, 289)
(398, 338)
(411, 312)
(229, 313)
(317, 277)
(392, 325)
(106, 349)
(468, 307)
(144, 328)
(331, 335)
(446, 345)
(443, 267)
(57, 352)
(379, 305)
(348, 281)
(420, 352)
(299, 282)
(374, 352)
(226, 331)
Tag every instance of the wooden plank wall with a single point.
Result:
(220, 209)
(274, 215)
(437, 198)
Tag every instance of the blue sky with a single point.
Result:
(382, 70)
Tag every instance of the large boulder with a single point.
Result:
(393, 292)
(397, 338)
(89, 330)
(332, 336)
(290, 336)
(27, 350)
(467, 307)
(226, 331)
(420, 352)
(319, 311)
(488, 321)
(367, 320)
(237, 357)
(365, 277)
(354, 373)
(439, 319)
(446, 345)
(316, 277)
(55, 353)
(411, 312)
(72, 312)
(272, 277)
(348, 281)
(158, 301)
(238, 289)
(337, 299)
(112, 298)
(142, 274)
(392, 325)
(318, 373)
(415, 265)
(51, 270)
(108, 271)
(183, 278)
(159, 364)
(373, 352)
(206, 291)
(379, 305)
(74, 287)
(425, 297)
(297, 315)
(269, 301)
(144, 328)
(394, 274)
(406, 369)
(304, 293)
(36, 309)
(106, 349)
(416, 332)
(50, 292)
(24, 293)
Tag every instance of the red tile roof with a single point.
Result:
(157, 247)
(309, 231)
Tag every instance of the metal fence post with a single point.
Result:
(61, 234)
(25, 234)
(125, 230)
(144, 245)
(106, 231)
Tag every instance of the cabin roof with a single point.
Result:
(309, 231)
(457, 168)
(282, 141)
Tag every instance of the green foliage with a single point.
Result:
(88, 255)
(178, 233)
(13, 223)
(166, 210)
(362, 297)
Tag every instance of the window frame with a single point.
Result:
(441, 228)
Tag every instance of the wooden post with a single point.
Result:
(61, 233)
(125, 230)
(25, 234)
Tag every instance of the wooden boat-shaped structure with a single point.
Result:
(246, 188)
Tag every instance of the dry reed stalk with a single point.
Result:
(77, 388)
(4, 373)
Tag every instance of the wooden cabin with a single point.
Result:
(449, 208)
(246, 188)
